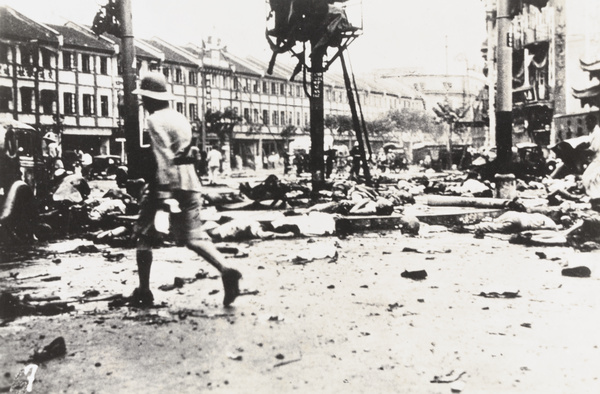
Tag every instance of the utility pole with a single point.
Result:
(317, 120)
(491, 78)
(357, 126)
(504, 117)
(139, 160)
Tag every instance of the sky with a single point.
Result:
(424, 35)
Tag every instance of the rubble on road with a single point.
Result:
(12, 307)
(458, 200)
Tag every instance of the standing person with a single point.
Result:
(175, 186)
(591, 176)
(299, 162)
(356, 159)
(286, 162)
(330, 156)
(86, 163)
(213, 160)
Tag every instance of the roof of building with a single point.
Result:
(591, 65)
(14, 25)
(79, 39)
(139, 50)
(279, 70)
(587, 92)
(171, 54)
(242, 66)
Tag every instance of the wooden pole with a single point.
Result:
(136, 158)
(504, 116)
(317, 119)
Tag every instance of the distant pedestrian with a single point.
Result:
(286, 163)
(299, 163)
(356, 160)
(330, 156)
(175, 188)
(213, 160)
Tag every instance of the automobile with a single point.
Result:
(104, 166)
(24, 180)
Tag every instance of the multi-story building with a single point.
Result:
(554, 42)
(461, 92)
(65, 79)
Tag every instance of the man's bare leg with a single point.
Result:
(142, 295)
(231, 277)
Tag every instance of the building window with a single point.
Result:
(193, 111)
(298, 91)
(5, 98)
(298, 119)
(86, 64)
(26, 56)
(47, 98)
(69, 107)
(180, 108)
(104, 66)
(104, 106)
(265, 87)
(4, 53)
(255, 87)
(274, 89)
(166, 72)
(247, 115)
(46, 58)
(306, 119)
(153, 66)
(290, 118)
(193, 78)
(275, 118)
(265, 117)
(178, 75)
(88, 104)
(26, 100)
(282, 117)
(255, 115)
(68, 61)
(282, 89)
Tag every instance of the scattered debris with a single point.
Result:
(235, 357)
(450, 377)
(55, 349)
(506, 294)
(577, 272)
(287, 362)
(12, 307)
(414, 275)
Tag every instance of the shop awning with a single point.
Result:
(588, 92)
(589, 95)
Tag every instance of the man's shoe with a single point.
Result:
(141, 298)
(231, 284)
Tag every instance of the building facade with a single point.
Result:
(66, 80)
(555, 46)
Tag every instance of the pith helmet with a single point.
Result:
(50, 137)
(154, 85)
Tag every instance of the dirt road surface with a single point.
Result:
(347, 323)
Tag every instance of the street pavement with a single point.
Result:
(319, 314)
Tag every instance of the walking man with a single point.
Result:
(213, 158)
(176, 189)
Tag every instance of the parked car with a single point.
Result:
(24, 180)
(104, 166)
